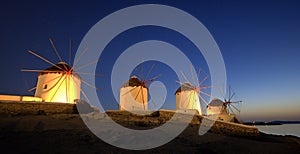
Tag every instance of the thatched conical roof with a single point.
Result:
(60, 67)
(133, 81)
(185, 87)
(64, 67)
(216, 102)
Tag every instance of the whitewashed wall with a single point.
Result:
(131, 98)
(57, 87)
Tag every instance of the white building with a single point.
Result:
(58, 84)
(218, 108)
(188, 98)
(134, 95)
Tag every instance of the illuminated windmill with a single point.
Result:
(226, 109)
(134, 93)
(189, 96)
(58, 83)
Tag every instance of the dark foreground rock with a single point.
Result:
(66, 133)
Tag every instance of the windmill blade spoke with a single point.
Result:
(60, 77)
(193, 77)
(184, 84)
(232, 96)
(143, 98)
(179, 82)
(222, 92)
(91, 74)
(88, 84)
(44, 83)
(185, 78)
(205, 87)
(30, 90)
(67, 94)
(83, 93)
(206, 94)
(85, 96)
(136, 70)
(229, 107)
(57, 53)
(203, 99)
(27, 70)
(38, 71)
(70, 52)
(55, 50)
(152, 79)
(86, 65)
(194, 98)
(236, 102)
(203, 80)
(79, 57)
(140, 73)
(130, 90)
(229, 92)
(137, 94)
(235, 108)
(58, 86)
(198, 74)
(148, 73)
(45, 59)
(53, 79)
(142, 70)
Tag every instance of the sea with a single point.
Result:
(285, 129)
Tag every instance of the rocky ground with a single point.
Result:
(66, 133)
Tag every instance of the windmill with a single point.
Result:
(229, 104)
(134, 93)
(190, 96)
(226, 109)
(59, 83)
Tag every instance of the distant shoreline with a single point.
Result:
(259, 123)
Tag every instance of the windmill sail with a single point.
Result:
(134, 95)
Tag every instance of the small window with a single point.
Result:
(45, 86)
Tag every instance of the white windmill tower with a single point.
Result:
(134, 93)
(58, 83)
(188, 96)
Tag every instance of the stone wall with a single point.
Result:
(35, 108)
(19, 98)
(230, 128)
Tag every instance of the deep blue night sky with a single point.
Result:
(259, 41)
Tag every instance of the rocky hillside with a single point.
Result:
(45, 132)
